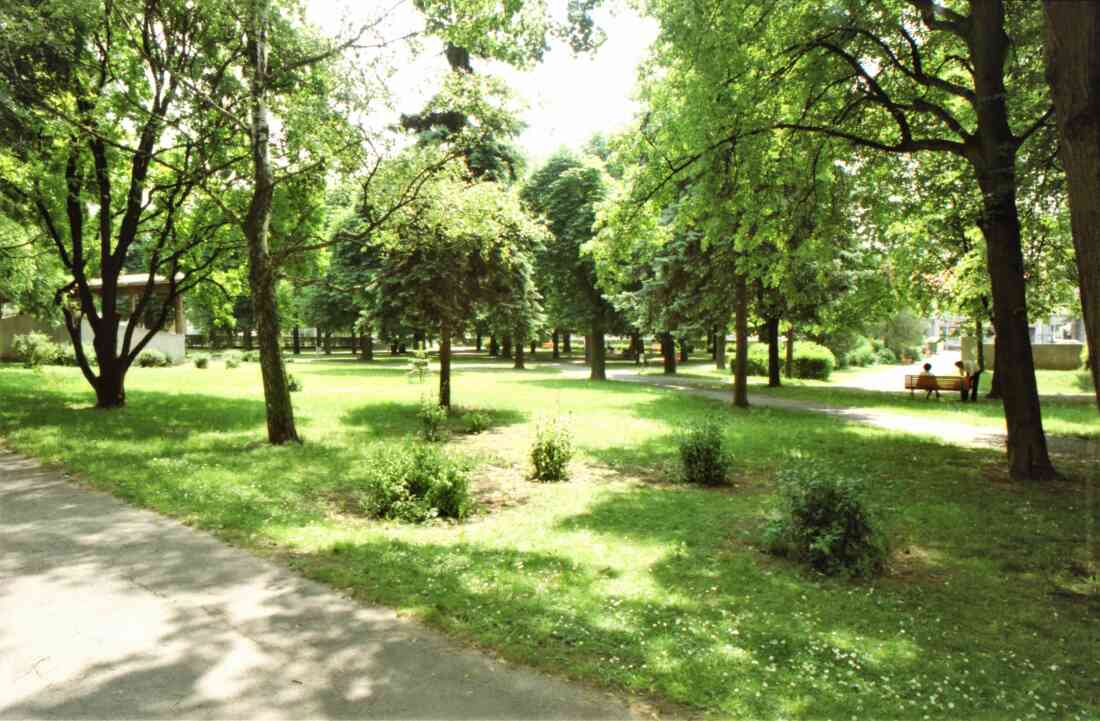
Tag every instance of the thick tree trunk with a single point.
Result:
(326, 342)
(790, 352)
(1073, 69)
(741, 357)
(567, 343)
(506, 347)
(772, 325)
(556, 339)
(110, 386)
(994, 161)
(598, 355)
(588, 349)
(668, 353)
(280, 412)
(520, 360)
(445, 368)
(367, 340)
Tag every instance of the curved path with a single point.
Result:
(107, 611)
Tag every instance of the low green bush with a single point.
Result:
(419, 367)
(250, 356)
(232, 359)
(1083, 381)
(476, 421)
(68, 356)
(412, 483)
(703, 458)
(201, 361)
(811, 360)
(885, 356)
(152, 358)
(551, 452)
(862, 355)
(823, 520)
(433, 419)
(35, 349)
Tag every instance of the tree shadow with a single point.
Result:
(111, 612)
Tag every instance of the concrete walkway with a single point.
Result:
(107, 611)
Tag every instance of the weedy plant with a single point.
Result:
(551, 452)
(432, 417)
(703, 458)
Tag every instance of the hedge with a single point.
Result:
(810, 359)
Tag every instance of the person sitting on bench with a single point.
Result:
(932, 387)
(964, 374)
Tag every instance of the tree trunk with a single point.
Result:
(296, 334)
(994, 161)
(668, 353)
(110, 386)
(326, 342)
(567, 343)
(393, 348)
(506, 347)
(418, 340)
(790, 351)
(712, 345)
(598, 354)
(976, 379)
(519, 354)
(588, 349)
(248, 339)
(556, 339)
(445, 367)
(534, 349)
(720, 349)
(478, 342)
(367, 339)
(636, 342)
(494, 347)
(684, 355)
(741, 364)
(772, 325)
(280, 412)
(1073, 69)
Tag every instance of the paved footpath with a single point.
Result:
(107, 611)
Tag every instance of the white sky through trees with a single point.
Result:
(568, 97)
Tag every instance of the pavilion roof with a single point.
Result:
(135, 280)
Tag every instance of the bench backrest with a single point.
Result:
(932, 383)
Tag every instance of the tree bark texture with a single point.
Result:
(772, 325)
(567, 343)
(1073, 70)
(790, 352)
(685, 356)
(741, 364)
(367, 340)
(720, 349)
(556, 340)
(668, 353)
(520, 359)
(506, 347)
(598, 353)
(445, 368)
(494, 347)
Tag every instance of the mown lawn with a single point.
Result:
(621, 577)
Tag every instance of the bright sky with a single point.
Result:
(568, 97)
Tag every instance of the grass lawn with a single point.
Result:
(622, 578)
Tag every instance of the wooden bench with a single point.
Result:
(933, 383)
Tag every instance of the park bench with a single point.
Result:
(933, 383)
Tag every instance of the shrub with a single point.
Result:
(68, 356)
(862, 355)
(250, 356)
(418, 367)
(1083, 380)
(35, 349)
(201, 361)
(840, 343)
(476, 421)
(551, 452)
(152, 358)
(703, 458)
(810, 360)
(885, 356)
(232, 359)
(413, 483)
(432, 417)
(293, 384)
(824, 520)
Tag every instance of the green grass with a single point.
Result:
(619, 578)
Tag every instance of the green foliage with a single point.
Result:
(250, 356)
(901, 332)
(863, 354)
(232, 359)
(201, 360)
(35, 349)
(68, 356)
(703, 457)
(1083, 381)
(293, 384)
(432, 418)
(476, 421)
(413, 483)
(419, 367)
(811, 361)
(823, 520)
(551, 452)
(885, 356)
(152, 358)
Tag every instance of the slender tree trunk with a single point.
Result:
(588, 349)
(506, 347)
(598, 354)
(668, 353)
(368, 346)
(520, 359)
(296, 334)
(567, 343)
(445, 367)
(772, 325)
(478, 342)
(684, 355)
(280, 412)
(720, 349)
(418, 340)
(534, 348)
(326, 342)
(790, 351)
(556, 339)
(636, 341)
(1073, 69)
(354, 343)
(741, 364)
(393, 348)
(248, 339)
(976, 380)
(494, 347)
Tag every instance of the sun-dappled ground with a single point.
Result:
(623, 577)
